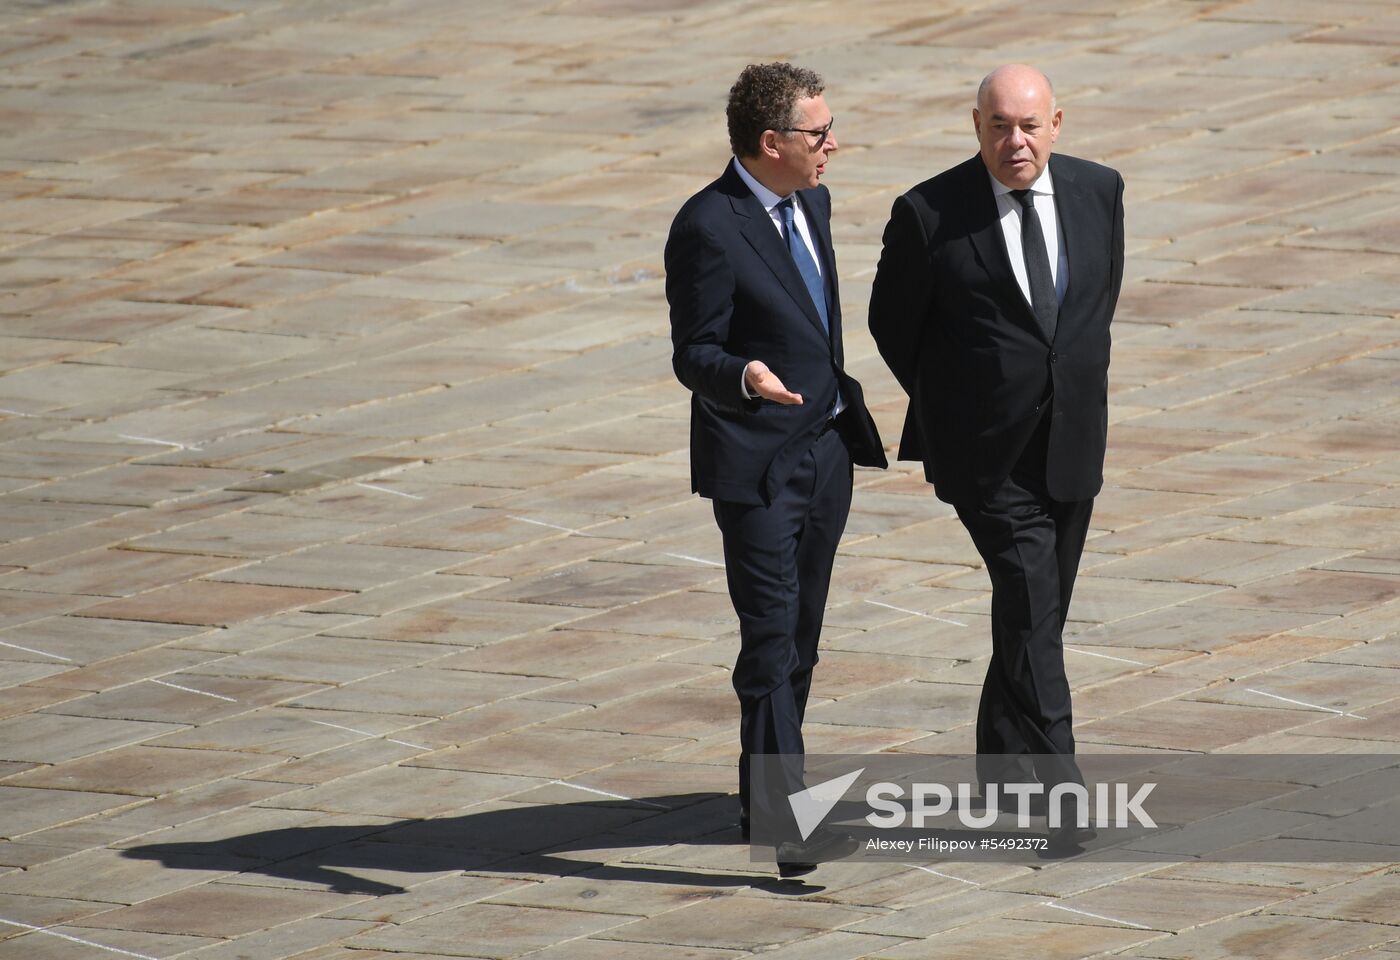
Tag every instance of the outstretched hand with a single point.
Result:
(764, 383)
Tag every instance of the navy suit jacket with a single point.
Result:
(736, 295)
(956, 331)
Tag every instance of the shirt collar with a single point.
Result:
(1043, 183)
(767, 197)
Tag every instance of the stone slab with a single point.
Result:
(344, 329)
(218, 910)
(206, 602)
(140, 771)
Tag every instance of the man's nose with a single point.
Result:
(831, 145)
(1017, 138)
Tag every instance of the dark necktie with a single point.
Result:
(1041, 281)
(805, 264)
(808, 268)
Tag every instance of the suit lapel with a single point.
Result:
(758, 230)
(1069, 211)
(987, 237)
(819, 222)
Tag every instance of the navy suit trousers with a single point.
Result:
(778, 560)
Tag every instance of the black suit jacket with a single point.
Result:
(736, 295)
(954, 327)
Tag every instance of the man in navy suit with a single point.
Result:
(776, 423)
(991, 305)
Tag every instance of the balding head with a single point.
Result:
(1017, 123)
(1015, 76)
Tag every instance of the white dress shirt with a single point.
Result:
(1043, 194)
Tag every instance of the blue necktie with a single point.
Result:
(808, 268)
(805, 264)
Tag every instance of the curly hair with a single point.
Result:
(765, 98)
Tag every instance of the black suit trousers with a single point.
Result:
(778, 561)
(1031, 545)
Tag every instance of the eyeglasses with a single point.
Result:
(820, 134)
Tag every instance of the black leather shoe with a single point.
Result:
(796, 859)
(787, 869)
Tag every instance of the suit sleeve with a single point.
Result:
(899, 299)
(1116, 275)
(700, 291)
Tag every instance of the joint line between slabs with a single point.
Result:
(615, 796)
(372, 736)
(164, 443)
(541, 523)
(890, 606)
(42, 653)
(87, 943)
(1096, 916)
(686, 556)
(397, 493)
(1104, 656)
(202, 693)
(946, 876)
(1311, 706)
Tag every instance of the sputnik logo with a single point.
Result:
(810, 806)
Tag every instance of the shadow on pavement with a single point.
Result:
(514, 838)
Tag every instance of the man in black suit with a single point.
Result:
(991, 305)
(775, 421)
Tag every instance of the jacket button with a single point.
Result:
(1054, 356)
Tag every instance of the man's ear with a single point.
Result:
(768, 143)
(976, 122)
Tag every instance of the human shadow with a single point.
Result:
(511, 838)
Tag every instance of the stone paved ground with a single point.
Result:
(348, 563)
